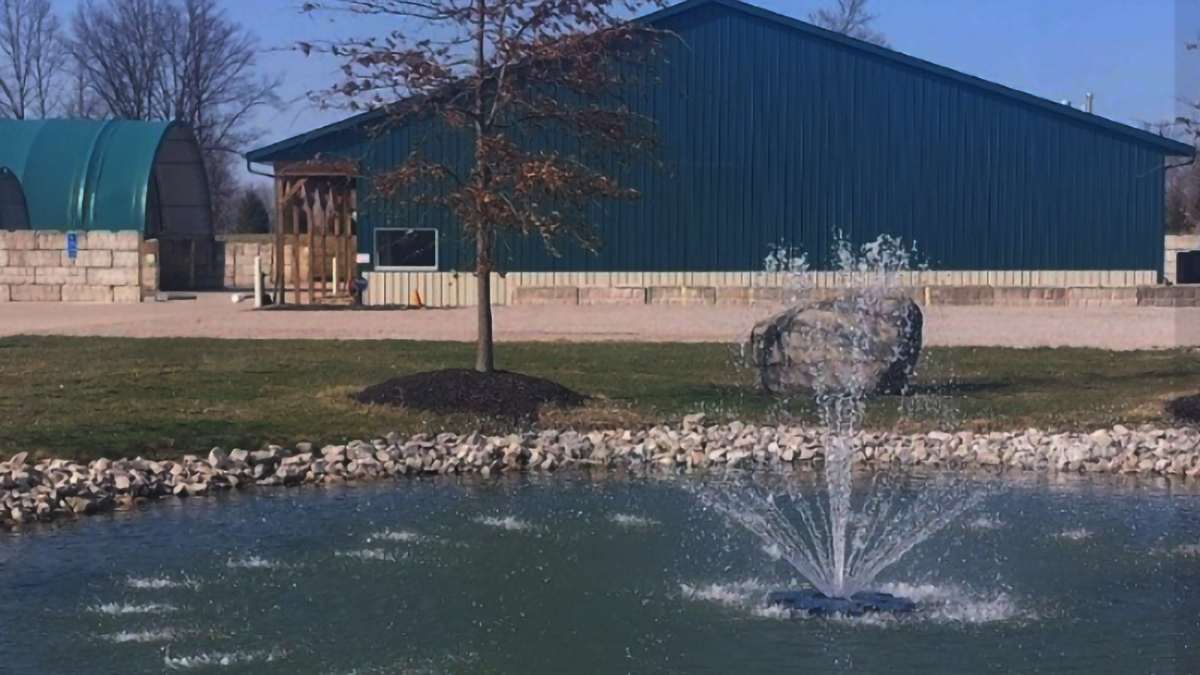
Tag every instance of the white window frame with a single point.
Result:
(436, 249)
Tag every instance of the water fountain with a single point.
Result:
(842, 546)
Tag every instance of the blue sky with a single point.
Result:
(1126, 52)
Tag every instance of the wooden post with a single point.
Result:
(325, 254)
(312, 211)
(335, 213)
(296, 209)
(277, 259)
(352, 251)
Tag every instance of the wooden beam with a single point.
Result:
(335, 210)
(280, 223)
(291, 192)
(317, 167)
(312, 209)
(296, 251)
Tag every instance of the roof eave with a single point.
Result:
(278, 150)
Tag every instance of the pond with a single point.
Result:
(587, 575)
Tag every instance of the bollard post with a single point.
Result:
(336, 290)
(258, 282)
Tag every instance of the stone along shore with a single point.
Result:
(52, 489)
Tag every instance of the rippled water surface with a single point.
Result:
(570, 575)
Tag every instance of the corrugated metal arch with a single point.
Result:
(109, 175)
(14, 214)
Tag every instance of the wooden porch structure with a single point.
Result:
(314, 231)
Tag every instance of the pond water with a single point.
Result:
(582, 576)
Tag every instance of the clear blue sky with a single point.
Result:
(1126, 52)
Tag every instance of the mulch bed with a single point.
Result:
(498, 394)
(1186, 408)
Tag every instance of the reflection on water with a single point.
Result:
(602, 578)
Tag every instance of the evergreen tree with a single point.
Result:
(1176, 212)
(252, 214)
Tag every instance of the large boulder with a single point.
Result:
(849, 343)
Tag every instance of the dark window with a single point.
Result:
(406, 249)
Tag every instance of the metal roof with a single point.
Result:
(284, 149)
(95, 174)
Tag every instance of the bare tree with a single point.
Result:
(501, 73)
(119, 50)
(31, 58)
(850, 18)
(78, 99)
(178, 60)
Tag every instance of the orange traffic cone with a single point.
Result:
(414, 300)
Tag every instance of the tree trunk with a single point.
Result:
(485, 361)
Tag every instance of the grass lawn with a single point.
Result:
(91, 397)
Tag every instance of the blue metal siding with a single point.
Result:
(772, 135)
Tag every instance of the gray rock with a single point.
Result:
(852, 341)
(217, 458)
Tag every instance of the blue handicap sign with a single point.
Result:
(72, 246)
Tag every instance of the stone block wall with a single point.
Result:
(1174, 244)
(236, 253)
(36, 267)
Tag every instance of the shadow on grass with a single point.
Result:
(1185, 408)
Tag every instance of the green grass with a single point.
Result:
(90, 397)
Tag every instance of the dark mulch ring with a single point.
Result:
(498, 394)
(1186, 408)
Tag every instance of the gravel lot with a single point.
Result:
(213, 315)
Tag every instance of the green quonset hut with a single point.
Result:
(145, 180)
(779, 132)
(109, 175)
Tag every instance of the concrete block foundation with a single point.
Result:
(36, 266)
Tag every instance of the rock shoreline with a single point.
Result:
(50, 490)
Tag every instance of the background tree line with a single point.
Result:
(144, 60)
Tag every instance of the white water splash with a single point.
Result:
(406, 537)
(838, 548)
(146, 636)
(369, 554)
(950, 604)
(401, 536)
(630, 521)
(731, 595)
(211, 659)
(894, 516)
(161, 583)
(119, 608)
(1079, 534)
(1188, 550)
(937, 604)
(412, 666)
(511, 523)
(256, 563)
(987, 524)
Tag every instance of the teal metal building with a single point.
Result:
(107, 175)
(776, 132)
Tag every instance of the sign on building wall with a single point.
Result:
(72, 246)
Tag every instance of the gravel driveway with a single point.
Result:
(213, 315)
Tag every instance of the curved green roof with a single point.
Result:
(95, 174)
